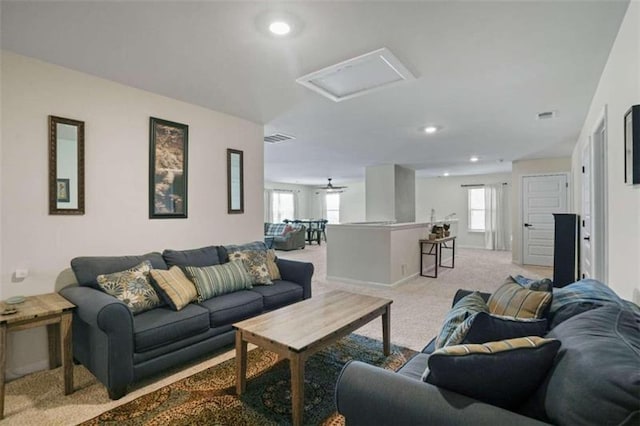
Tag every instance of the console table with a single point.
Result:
(51, 310)
(435, 249)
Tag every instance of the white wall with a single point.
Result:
(446, 196)
(353, 204)
(380, 193)
(117, 168)
(405, 194)
(524, 168)
(618, 89)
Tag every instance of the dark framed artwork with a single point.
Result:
(235, 181)
(632, 146)
(168, 153)
(62, 191)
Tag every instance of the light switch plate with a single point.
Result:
(22, 273)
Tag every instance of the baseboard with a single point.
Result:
(372, 283)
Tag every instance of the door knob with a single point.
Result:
(528, 225)
(587, 238)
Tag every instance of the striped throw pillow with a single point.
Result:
(468, 305)
(177, 289)
(504, 373)
(272, 266)
(211, 281)
(513, 300)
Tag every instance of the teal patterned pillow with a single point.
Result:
(256, 263)
(215, 280)
(468, 305)
(131, 287)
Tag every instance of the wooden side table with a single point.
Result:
(51, 310)
(435, 249)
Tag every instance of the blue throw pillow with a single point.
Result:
(468, 305)
(483, 327)
(579, 297)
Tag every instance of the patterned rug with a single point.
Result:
(208, 397)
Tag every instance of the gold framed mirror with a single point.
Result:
(66, 166)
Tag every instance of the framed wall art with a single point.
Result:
(235, 181)
(168, 152)
(632, 146)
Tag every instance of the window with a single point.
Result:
(333, 208)
(476, 209)
(282, 206)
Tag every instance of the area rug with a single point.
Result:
(208, 397)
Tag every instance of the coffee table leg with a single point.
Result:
(241, 363)
(297, 388)
(386, 331)
(67, 352)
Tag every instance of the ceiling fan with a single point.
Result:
(331, 188)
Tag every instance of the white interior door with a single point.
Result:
(586, 253)
(541, 197)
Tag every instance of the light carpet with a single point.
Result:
(416, 315)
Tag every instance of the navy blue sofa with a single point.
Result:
(120, 348)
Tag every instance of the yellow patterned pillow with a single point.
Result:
(513, 300)
(178, 290)
(272, 266)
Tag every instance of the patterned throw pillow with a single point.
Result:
(256, 263)
(272, 266)
(176, 288)
(544, 284)
(504, 373)
(211, 281)
(131, 287)
(466, 306)
(513, 300)
(483, 327)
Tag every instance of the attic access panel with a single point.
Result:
(357, 76)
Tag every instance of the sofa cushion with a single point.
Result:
(174, 287)
(415, 367)
(595, 379)
(133, 287)
(162, 326)
(483, 327)
(279, 294)
(233, 307)
(255, 261)
(204, 256)
(512, 299)
(215, 280)
(466, 306)
(579, 297)
(503, 373)
(87, 268)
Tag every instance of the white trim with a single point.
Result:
(599, 154)
(373, 283)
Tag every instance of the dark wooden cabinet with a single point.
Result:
(566, 250)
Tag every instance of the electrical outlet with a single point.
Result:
(22, 273)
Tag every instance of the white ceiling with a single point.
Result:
(484, 70)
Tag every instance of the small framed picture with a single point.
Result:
(62, 189)
(632, 146)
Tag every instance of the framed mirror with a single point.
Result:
(235, 181)
(66, 166)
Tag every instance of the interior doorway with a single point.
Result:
(542, 195)
(593, 242)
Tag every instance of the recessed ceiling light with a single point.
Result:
(446, 174)
(430, 129)
(279, 28)
(473, 159)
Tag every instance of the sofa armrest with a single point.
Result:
(368, 395)
(297, 272)
(103, 336)
(462, 293)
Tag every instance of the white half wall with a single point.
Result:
(526, 168)
(618, 90)
(446, 196)
(117, 177)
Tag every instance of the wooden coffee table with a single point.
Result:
(297, 331)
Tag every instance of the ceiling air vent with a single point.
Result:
(357, 76)
(547, 115)
(277, 138)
